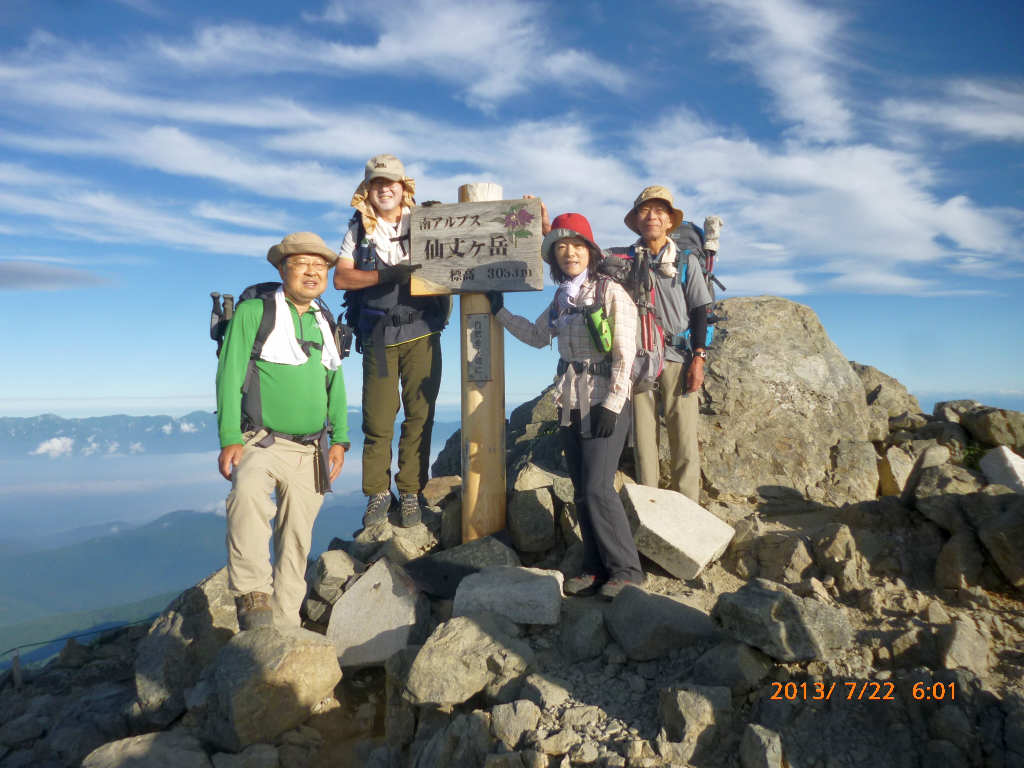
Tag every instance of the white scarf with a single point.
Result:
(282, 346)
(391, 252)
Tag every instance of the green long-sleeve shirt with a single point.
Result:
(295, 398)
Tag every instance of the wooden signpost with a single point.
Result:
(482, 243)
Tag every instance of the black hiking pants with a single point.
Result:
(608, 548)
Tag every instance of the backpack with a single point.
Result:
(689, 238)
(352, 301)
(633, 275)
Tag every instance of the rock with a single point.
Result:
(441, 573)
(316, 610)
(510, 721)
(546, 691)
(1003, 537)
(907, 422)
(894, 470)
(760, 748)
(586, 753)
(569, 523)
(399, 717)
(21, 730)
(73, 655)
(181, 643)
(950, 410)
(451, 524)
(583, 634)
(928, 455)
(994, 426)
(531, 520)
(154, 750)
(398, 551)
(674, 531)
(441, 489)
(885, 391)
(854, 473)
(368, 541)
(506, 760)
(91, 721)
(332, 572)
(782, 557)
(935, 614)
(691, 717)
(256, 756)
(949, 722)
(777, 397)
(522, 595)
(558, 743)
(572, 562)
(836, 551)
(786, 627)
(530, 477)
(878, 423)
(915, 648)
(466, 741)
(961, 645)
(378, 616)
(960, 562)
(733, 665)
(262, 683)
(939, 492)
(647, 626)
(987, 504)
(1004, 467)
(464, 656)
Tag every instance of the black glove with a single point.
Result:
(497, 299)
(398, 274)
(602, 421)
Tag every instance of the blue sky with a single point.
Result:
(866, 158)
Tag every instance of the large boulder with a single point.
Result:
(333, 570)
(648, 626)
(1004, 467)
(522, 595)
(181, 643)
(531, 520)
(465, 656)
(262, 683)
(994, 426)
(692, 717)
(154, 750)
(786, 627)
(1003, 536)
(378, 616)
(674, 531)
(441, 573)
(778, 397)
(885, 392)
(940, 492)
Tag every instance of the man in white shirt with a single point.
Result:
(399, 335)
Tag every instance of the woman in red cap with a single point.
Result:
(593, 391)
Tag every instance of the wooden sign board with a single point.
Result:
(476, 247)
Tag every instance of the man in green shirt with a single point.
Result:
(276, 405)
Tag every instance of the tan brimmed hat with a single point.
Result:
(653, 193)
(301, 242)
(381, 167)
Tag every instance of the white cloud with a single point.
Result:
(33, 276)
(980, 110)
(792, 47)
(776, 282)
(493, 50)
(167, 428)
(112, 448)
(188, 428)
(54, 447)
(241, 215)
(136, 448)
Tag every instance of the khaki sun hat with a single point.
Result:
(301, 242)
(384, 167)
(653, 193)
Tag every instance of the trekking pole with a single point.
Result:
(216, 314)
(229, 306)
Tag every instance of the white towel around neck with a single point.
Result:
(282, 346)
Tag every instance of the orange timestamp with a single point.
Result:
(869, 690)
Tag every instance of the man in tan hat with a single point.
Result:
(680, 306)
(280, 401)
(399, 337)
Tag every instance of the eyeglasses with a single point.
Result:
(319, 265)
(648, 210)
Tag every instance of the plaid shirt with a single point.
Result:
(575, 345)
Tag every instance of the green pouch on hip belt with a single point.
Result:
(599, 327)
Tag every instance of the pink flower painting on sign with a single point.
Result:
(515, 220)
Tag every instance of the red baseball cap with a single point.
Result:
(567, 225)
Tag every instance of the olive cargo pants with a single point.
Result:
(681, 414)
(414, 380)
(285, 468)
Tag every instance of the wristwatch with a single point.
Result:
(700, 353)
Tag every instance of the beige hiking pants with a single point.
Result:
(287, 468)
(681, 415)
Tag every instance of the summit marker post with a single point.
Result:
(482, 243)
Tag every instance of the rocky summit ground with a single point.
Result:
(848, 593)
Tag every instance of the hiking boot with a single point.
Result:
(410, 513)
(254, 610)
(611, 588)
(377, 508)
(582, 586)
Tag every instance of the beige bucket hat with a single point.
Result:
(301, 242)
(381, 167)
(653, 193)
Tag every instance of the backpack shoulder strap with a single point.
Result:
(266, 326)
